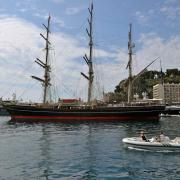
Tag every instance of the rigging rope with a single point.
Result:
(16, 82)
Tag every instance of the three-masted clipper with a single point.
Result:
(72, 110)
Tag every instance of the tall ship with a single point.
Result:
(73, 109)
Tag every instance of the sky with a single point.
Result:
(155, 32)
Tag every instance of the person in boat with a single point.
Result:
(157, 139)
(161, 136)
(143, 136)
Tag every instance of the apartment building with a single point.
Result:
(170, 93)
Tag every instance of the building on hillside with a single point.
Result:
(111, 97)
(170, 93)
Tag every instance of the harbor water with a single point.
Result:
(84, 151)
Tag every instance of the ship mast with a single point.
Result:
(46, 81)
(162, 79)
(131, 45)
(88, 60)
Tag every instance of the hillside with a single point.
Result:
(145, 83)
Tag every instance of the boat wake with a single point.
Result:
(148, 150)
(137, 149)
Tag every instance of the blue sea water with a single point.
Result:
(84, 151)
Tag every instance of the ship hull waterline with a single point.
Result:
(81, 118)
(98, 115)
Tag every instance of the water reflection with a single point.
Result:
(45, 148)
(91, 159)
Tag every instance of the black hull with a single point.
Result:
(21, 113)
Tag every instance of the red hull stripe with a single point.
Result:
(85, 117)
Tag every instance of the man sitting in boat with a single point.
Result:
(143, 136)
(160, 138)
(163, 138)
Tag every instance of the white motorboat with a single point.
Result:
(152, 144)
